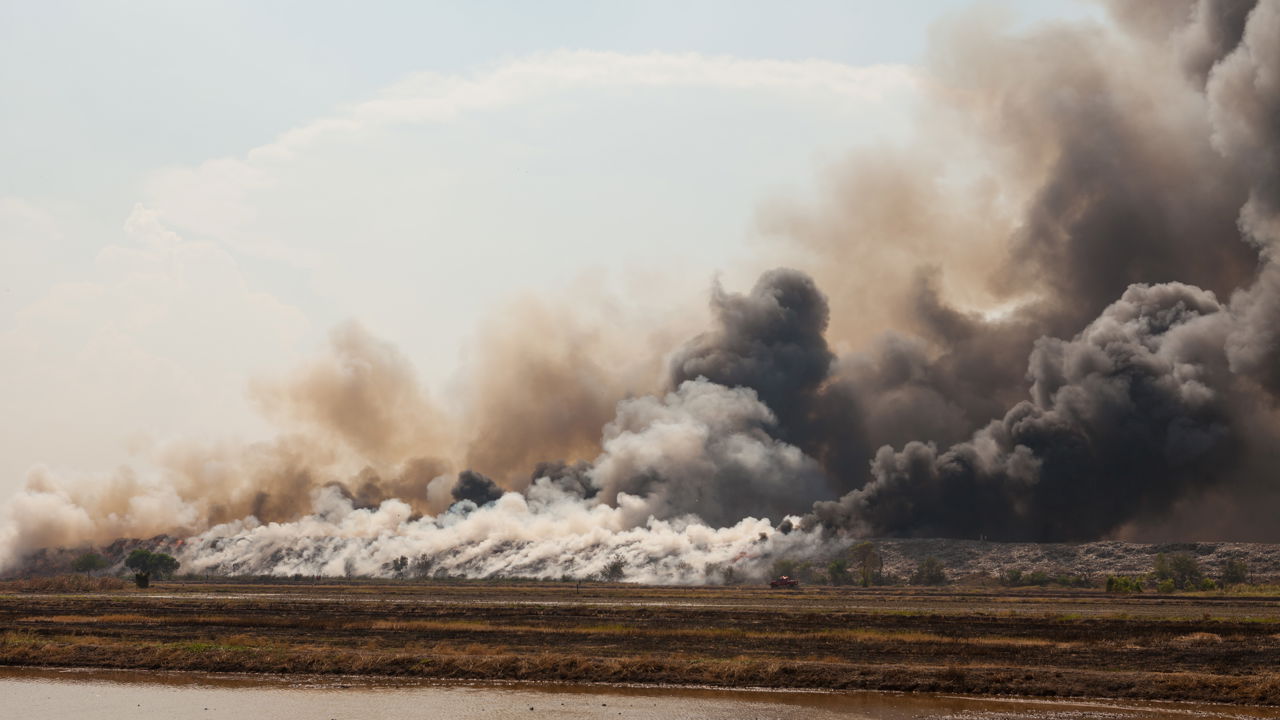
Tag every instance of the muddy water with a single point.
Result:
(58, 695)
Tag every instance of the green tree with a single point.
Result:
(89, 562)
(1160, 569)
(1185, 572)
(1235, 573)
(866, 557)
(1181, 570)
(145, 564)
(929, 572)
(838, 572)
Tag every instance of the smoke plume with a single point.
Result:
(1053, 317)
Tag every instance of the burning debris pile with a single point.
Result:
(1126, 387)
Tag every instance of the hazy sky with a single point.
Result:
(193, 193)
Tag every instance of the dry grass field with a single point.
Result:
(1034, 642)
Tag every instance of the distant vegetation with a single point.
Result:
(88, 563)
(1235, 573)
(862, 564)
(615, 571)
(146, 564)
(870, 565)
(1180, 571)
(929, 572)
(1123, 584)
(1039, 578)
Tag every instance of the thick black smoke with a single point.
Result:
(770, 340)
(574, 479)
(1126, 418)
(1157, 399)
(1153, 400)
(475, 487)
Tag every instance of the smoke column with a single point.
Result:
(1054, 317)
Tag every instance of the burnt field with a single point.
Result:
(1009, 642)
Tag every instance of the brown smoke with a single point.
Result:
(548, 374)
(363, 394)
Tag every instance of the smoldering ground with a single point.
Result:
(1051, 318)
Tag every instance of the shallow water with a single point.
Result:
(34, 694)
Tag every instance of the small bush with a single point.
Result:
(1165, 586)
(929, 572)
(1040, 578)
(805, 572)
(784, 566)
(1208, 584)
(1123, 584)
(615, 570)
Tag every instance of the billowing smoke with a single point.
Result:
(545, 534)
(771, 340)
(703, 450)
(1156, 399)
(1054, 317)
(475, 488)
(1133, 413)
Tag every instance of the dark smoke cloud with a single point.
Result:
(573, 479)
(1104, 151)
(476, 487)
(1124, 419)
(1155, 400)
(770, 340)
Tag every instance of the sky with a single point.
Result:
(193, 193)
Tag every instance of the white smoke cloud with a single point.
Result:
(704, 450)
(548, 535)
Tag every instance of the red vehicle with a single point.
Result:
(784, 581)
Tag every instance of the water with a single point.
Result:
(70, 694)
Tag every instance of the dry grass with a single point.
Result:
(853, 635)
(787, 641)
(493, 662)
(63, 584)
(1198, 638)
(80, 619)
(432, 625)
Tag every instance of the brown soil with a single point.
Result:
(1061, 643)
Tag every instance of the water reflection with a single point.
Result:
(119, 695)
